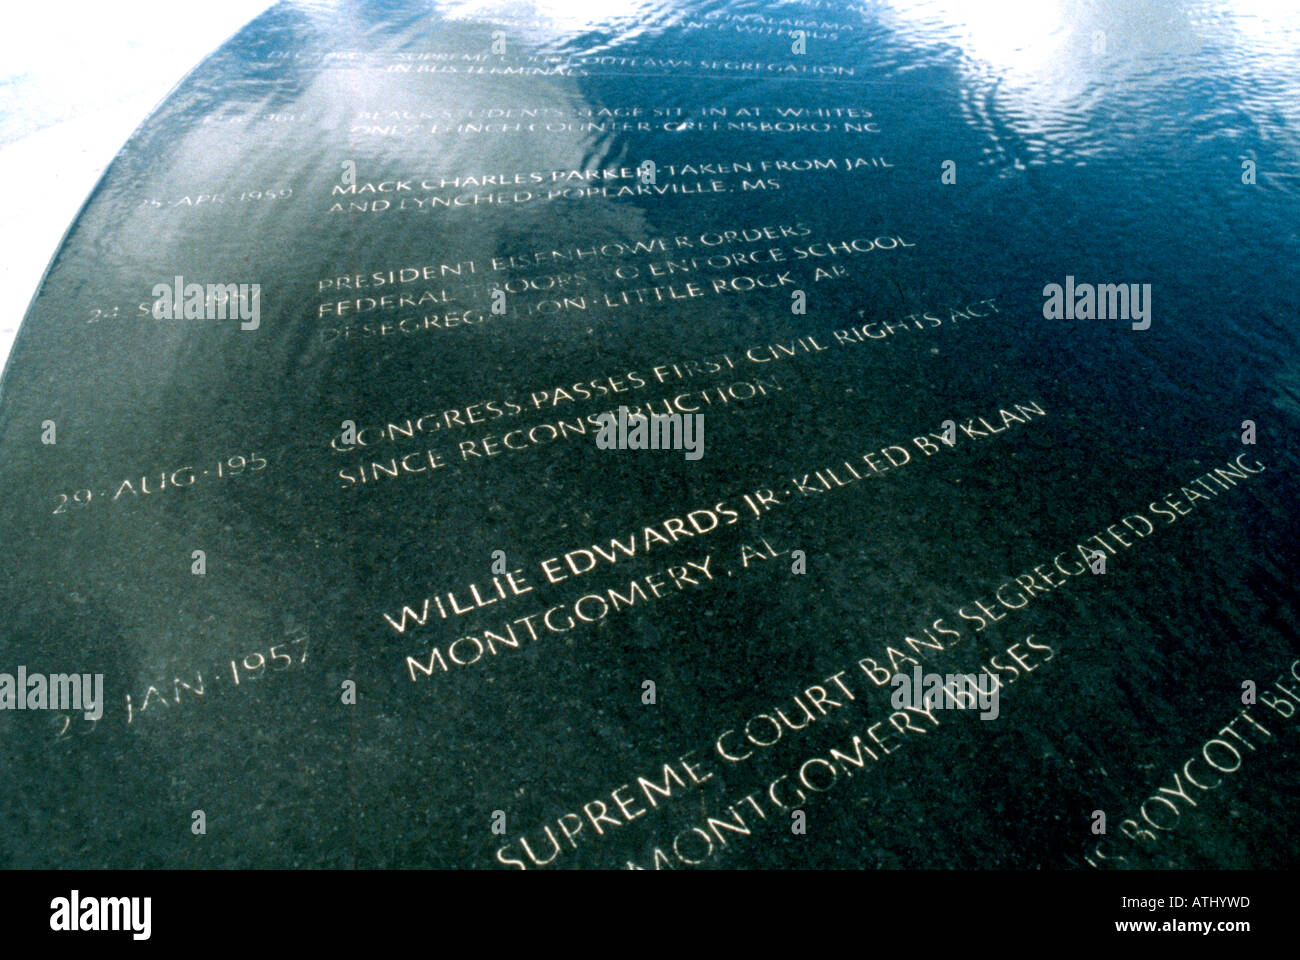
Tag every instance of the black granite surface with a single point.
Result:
(1099, 142)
